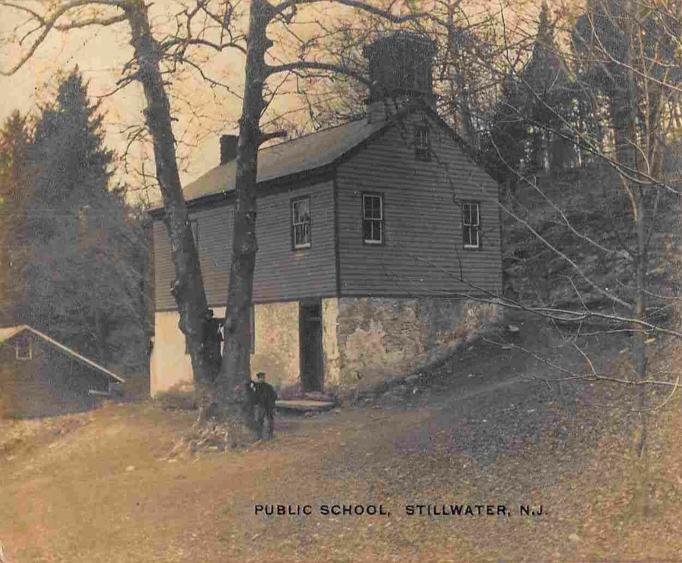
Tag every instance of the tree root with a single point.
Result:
(213, 436)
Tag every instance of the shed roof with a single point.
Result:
(10, 332)
(303, 154)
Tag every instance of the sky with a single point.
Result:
(100, 54)
(202, 113)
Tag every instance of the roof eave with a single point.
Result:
(73, 354)
(330, 167)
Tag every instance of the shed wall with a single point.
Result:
(49, 384)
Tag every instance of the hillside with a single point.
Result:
(584, 214)
(485, 430)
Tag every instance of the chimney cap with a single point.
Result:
(426, 45)
(400, 66)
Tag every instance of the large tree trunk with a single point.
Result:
(236, 366)
(188, 287)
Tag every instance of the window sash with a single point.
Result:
(23, 349)
(372, 218)
(422, 142)
(300, 223)
(421, 138)
(471, 222)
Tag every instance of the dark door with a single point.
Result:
(310, 323)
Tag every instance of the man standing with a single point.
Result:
(213, 339)
(263, 397)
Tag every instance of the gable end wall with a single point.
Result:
(423, 252)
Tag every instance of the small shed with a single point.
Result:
(42, 377)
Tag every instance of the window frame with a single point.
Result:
(381, 220)
(422, 152)
(194, 226)
(471, 227)
(17, 344)
(308, 244)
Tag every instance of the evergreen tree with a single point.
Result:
(504, 148)
(14, 142)
(532, 127)
(549, 96)
(83, 267)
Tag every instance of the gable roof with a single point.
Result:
(303, 154)
(12, 331)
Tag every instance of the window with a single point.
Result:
(24, 349)
(372, 218)
(194, 224)
(422, 143)
(471, 223)
(300, 222)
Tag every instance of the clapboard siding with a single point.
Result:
(423, 252)
(281, 273)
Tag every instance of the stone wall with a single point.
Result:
(330, 344)
(383, 338)
(276, 350)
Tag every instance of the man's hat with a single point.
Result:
(260, 374)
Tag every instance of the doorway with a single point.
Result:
(310, 337)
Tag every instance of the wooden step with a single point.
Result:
(305, 405)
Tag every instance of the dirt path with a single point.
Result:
(105, 491)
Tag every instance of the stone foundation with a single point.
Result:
(385, 338)
(365, 340)
(277, 350)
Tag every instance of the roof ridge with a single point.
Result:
(311, 134)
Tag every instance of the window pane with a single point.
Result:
(376, 207)
(301, 211)
(367, 230)
(467, 236)
(369, 206)
(304, 210)
(378, 234)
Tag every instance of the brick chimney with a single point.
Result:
(228, 148)
(400, 69)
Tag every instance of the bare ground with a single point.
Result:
(100, 486)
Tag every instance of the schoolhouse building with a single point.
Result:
(374, 240)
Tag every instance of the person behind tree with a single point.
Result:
(263, 396)
(214, 339)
